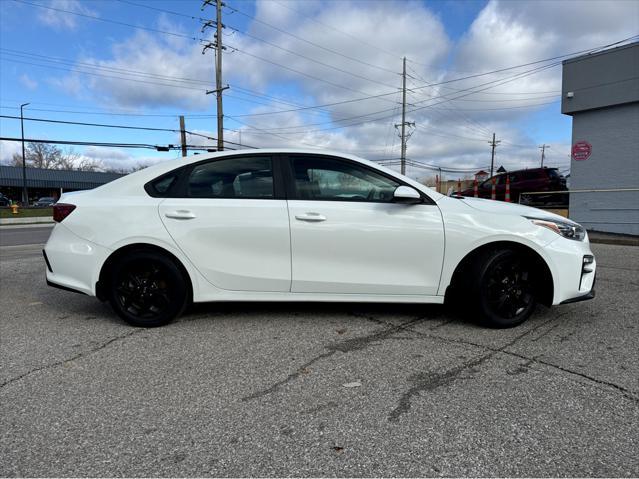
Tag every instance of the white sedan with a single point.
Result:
(303, 225)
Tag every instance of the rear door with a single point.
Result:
(349, 237)
(230, 217)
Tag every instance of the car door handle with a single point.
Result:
(312, 217)
(180, 215)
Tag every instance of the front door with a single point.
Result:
(348, 236)
(233, 224)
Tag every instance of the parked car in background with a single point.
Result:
(44, 202)
(305, 225)
(4, 201)
(525, 181)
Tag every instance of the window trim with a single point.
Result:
(180, 188)
(291, 189)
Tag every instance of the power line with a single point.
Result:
(491, 84)
(125, 127)
(148, 146)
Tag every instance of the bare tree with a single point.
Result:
(89, 164)
(67, 161)
(127, 170)
(16, 160)
(42, 155)
(72, 160)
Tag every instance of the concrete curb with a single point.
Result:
(616, 241)
(26, 221)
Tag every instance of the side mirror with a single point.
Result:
(406, 195)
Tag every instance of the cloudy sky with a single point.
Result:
(309, 73)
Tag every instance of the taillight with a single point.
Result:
(61, 211)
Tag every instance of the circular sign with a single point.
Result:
(581, 150)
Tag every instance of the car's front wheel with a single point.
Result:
(502, 289)
(147, 289)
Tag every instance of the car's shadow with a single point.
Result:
(377, 312)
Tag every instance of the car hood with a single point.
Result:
(500, 207)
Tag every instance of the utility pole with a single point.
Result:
(493, 143)
(218, 67)
(403, 135)
(543, 153)
(183, 135)
(25, 194)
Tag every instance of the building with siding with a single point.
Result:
(43, 182)
(601, 93)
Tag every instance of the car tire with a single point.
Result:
(502, 288)
(147, 289)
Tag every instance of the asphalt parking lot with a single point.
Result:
(316, 389)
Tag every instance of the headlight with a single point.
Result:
(571, 231)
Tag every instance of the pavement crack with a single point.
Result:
(429, 382)
(289, 378)
(345, 346)
(75, 357)
(629, 394)
(432, 380)
(362, 342)
(632, 395)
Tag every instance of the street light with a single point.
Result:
(25, 196)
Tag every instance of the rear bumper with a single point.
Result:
(72, 262)
(65, 288)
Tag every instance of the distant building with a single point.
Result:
(43, 182)
(501, 169)
(601, 93)
(482, 175)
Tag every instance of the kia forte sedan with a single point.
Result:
(303, 225)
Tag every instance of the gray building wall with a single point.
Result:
(614, 164)
(601, 80)
(605, 113)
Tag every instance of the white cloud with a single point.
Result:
(60, 20)
(28, 82)
(8, 149)
(116, 158)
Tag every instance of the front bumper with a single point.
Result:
(573, 279)
(584, 297)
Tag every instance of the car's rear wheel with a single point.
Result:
(147, 289)
(503, 288)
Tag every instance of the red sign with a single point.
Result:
(581, 150)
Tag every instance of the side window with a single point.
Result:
(329, 179)
(247, 177)
(161, 187)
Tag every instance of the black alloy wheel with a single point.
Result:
(147, 289)
(501, 284)
(508, 290)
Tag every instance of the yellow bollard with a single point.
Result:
(14, 208)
